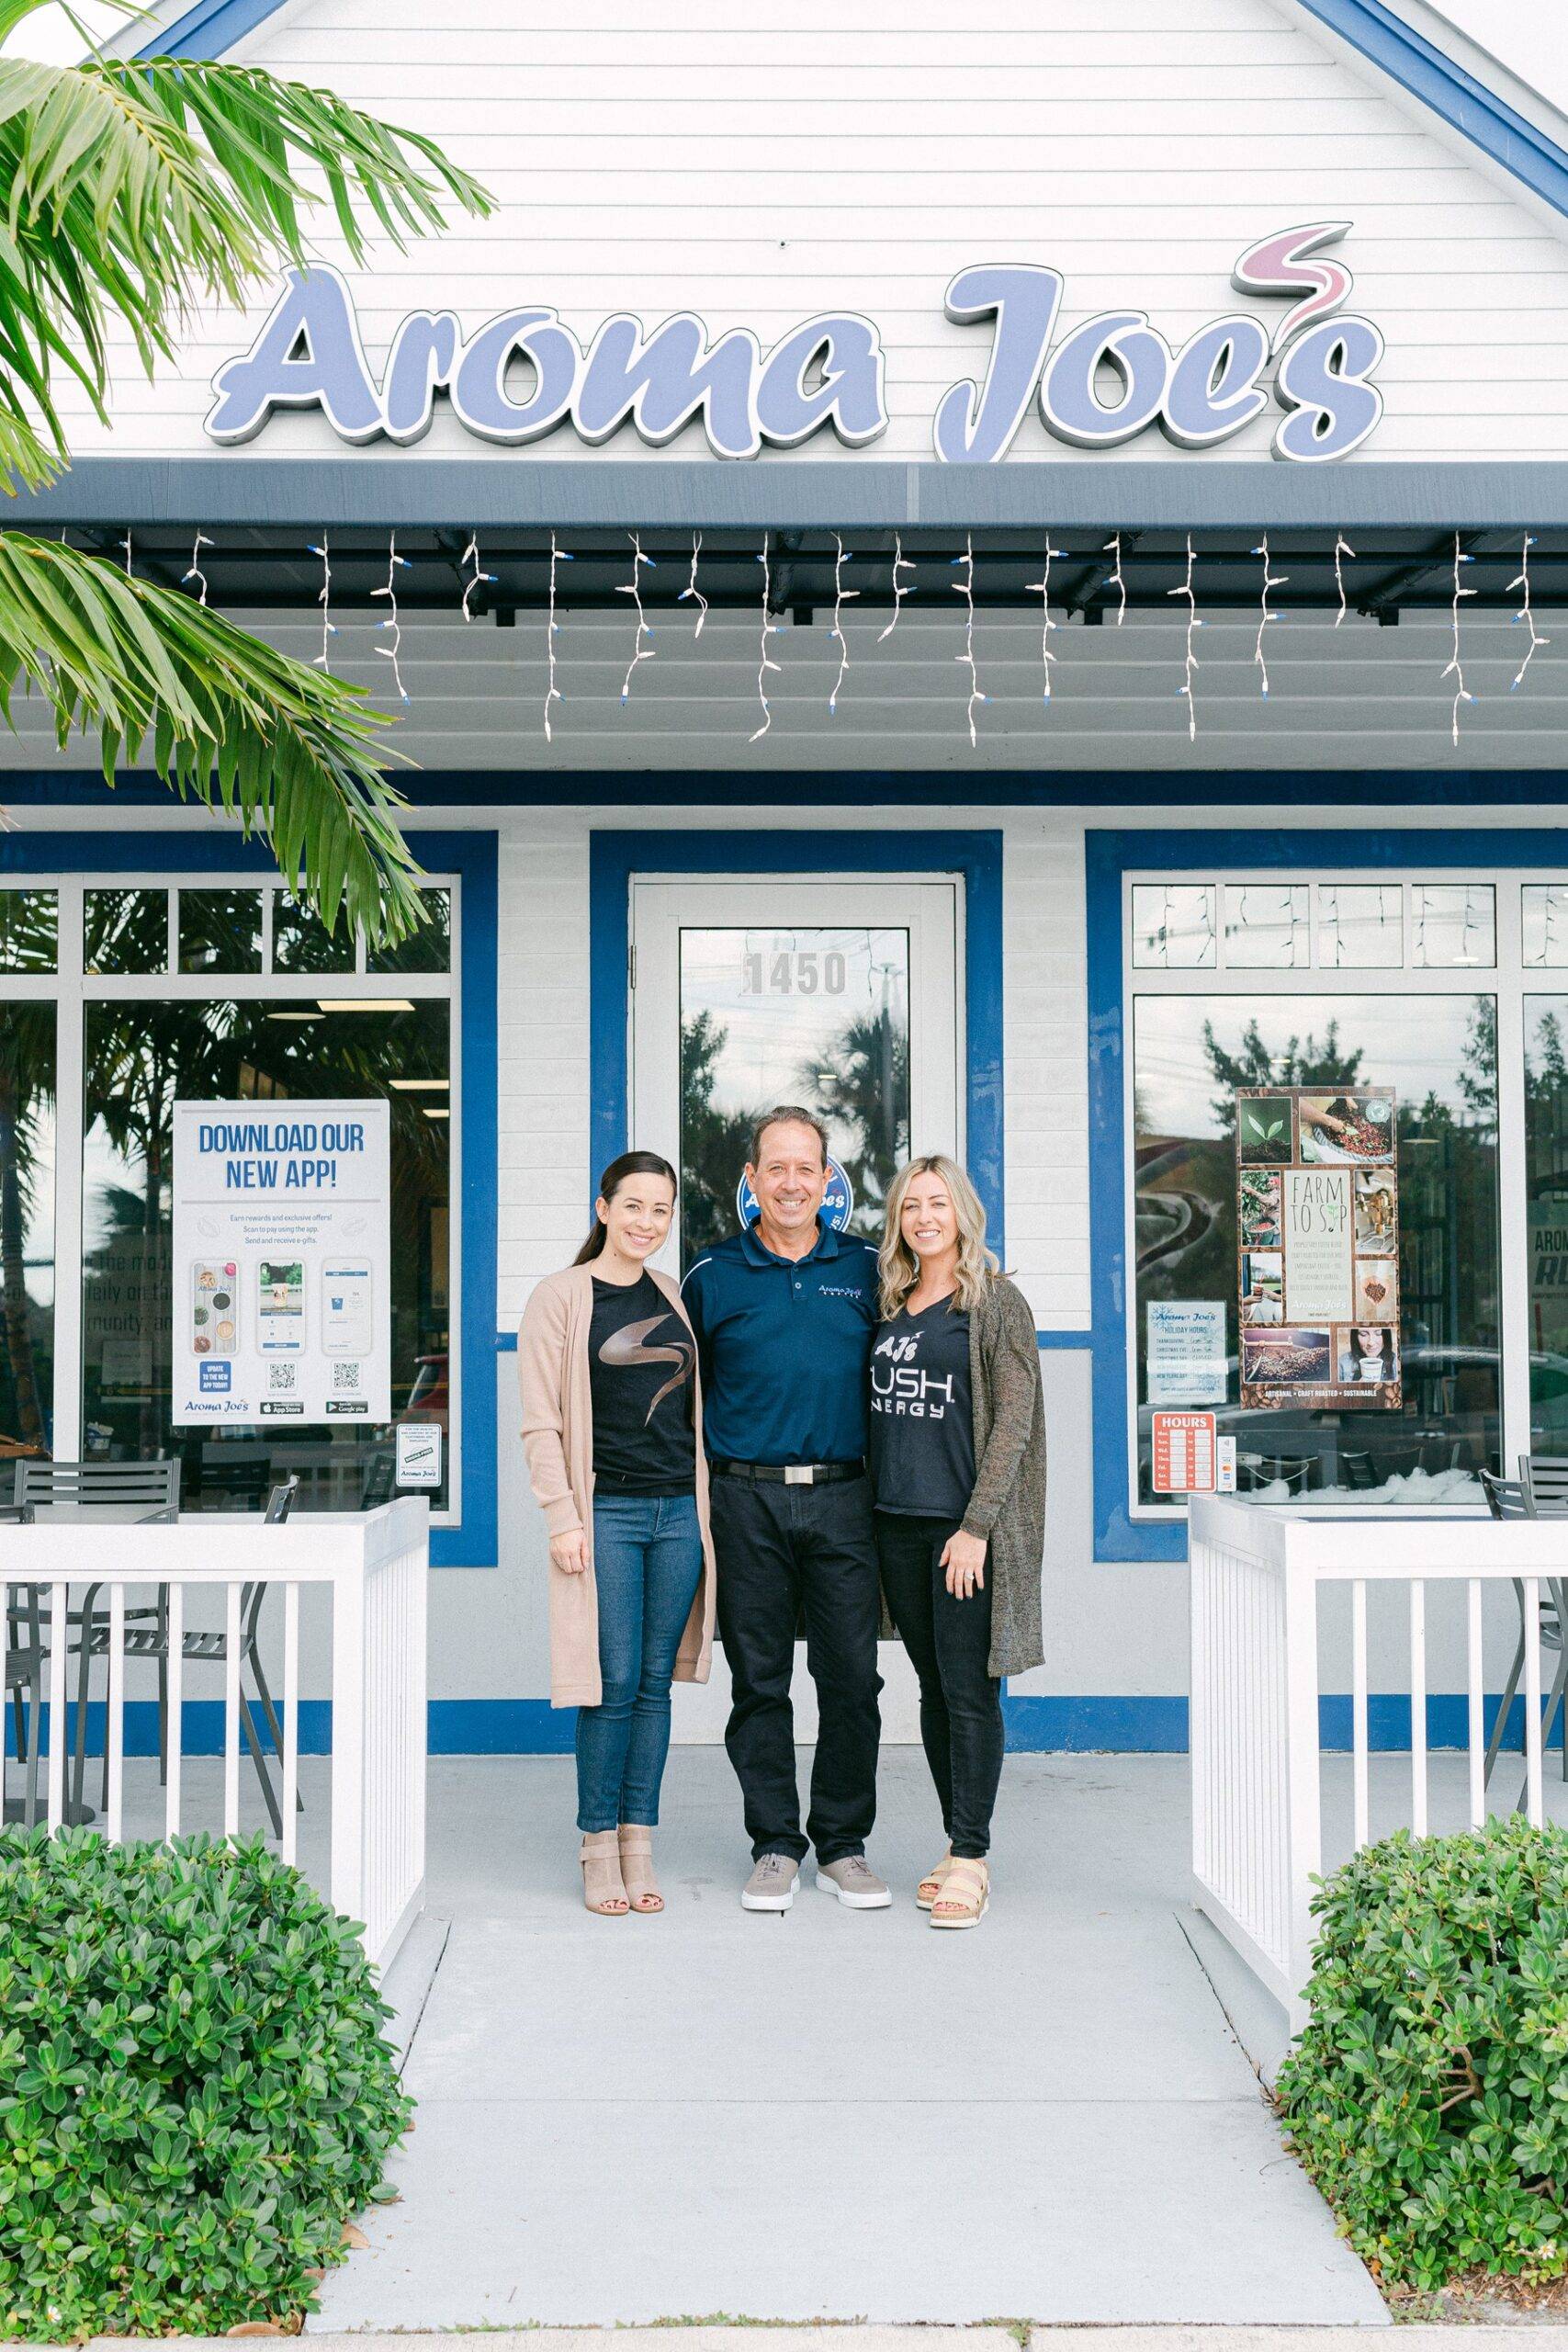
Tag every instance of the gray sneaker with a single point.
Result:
(772, 1884)
(853, 1881)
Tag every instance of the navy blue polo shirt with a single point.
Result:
(784, 1347)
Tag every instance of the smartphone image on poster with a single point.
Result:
(280, 1306)
(346, 1317)
(214, 1307)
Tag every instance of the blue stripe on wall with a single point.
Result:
(1095, 1725)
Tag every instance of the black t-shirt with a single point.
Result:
(640, 1361)
(923, 1425)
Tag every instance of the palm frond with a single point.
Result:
(138, 189)
(228, 721)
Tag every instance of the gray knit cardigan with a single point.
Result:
(1008, 1506)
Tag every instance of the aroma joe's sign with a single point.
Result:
(523, 373)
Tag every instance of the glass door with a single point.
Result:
(839, 996)
(842, 995)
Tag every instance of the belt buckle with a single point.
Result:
(800, 1474)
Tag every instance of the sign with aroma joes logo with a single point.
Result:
(524, 374)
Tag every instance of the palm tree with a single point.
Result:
(134, 190)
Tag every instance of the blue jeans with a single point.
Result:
(647, 1559)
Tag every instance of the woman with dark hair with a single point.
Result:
(611, 1411)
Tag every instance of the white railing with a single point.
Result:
(370, 1569)
(1259, 1787)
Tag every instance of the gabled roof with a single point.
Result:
(1439, 82)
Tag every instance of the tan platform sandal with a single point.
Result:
(604, 1890)
(930, 1886)
(637, 1868)
(965, 1896)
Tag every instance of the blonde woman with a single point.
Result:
(958, 1471)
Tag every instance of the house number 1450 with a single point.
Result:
(801, 971)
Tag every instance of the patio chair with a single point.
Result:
(212, 1649)
(1515, 1498)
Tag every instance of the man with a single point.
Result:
(783, 1313)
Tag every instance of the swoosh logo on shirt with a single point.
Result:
(625, 1348)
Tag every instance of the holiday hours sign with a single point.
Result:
(281, 1263)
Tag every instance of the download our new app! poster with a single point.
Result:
(1318, 1246)
(281, 1263)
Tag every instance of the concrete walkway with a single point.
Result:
(830, 2115)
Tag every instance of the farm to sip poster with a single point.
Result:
(1317, 1233)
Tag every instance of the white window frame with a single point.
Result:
(70, 991)
(1509, 980)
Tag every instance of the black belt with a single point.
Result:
(790, 1474)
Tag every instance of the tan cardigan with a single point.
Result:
(558, 1438)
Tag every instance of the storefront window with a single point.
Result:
(26, 1227)
(1546, 1132)
(139, 1055)
(817, 1016)
(1391, 1102)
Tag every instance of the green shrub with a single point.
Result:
(195, 2093)
(1429, 2095)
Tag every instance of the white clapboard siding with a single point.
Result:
(855, 157)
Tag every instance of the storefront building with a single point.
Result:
(1002, 584)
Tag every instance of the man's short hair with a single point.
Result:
(785, 1115)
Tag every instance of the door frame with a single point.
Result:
(974, 859)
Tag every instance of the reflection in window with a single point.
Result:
(1546, 1165)
(1452, 924)
(125, 931)
(1543, 909)
(301, 942)
(429, 949)
(139, 1056)
(819, 1017)
(1266, 924)
(29, 929)
(220, 931)
(1360, 925)
(26, 1232)
(1173, 925)
(1437, 1056)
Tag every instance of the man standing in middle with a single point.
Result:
(783, 1313)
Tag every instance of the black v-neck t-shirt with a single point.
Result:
(641, 1360)
(923, 1422)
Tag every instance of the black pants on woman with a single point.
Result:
(949, 1641)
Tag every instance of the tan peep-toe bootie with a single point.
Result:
(637, 1868)
(603, 1889)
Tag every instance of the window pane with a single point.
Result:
(1436, 1056)
(27, 1234)
(126, 931)
(1266, 924)
(1546, 1160)
(1173, 925)
(429, 949)
(220, 931)
(1452, 924)
(819, 1017)
(137, 1058)
(301, 942)
(30, 924)
(1360, 925)
(1544, 909)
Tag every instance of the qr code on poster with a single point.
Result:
(346, 1376)
(281, 1377)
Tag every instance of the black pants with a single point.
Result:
(780, 1549)
(949, 1641)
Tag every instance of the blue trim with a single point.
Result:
(1063, 1338)
(506, 1343)
(433, 793)
(210, 29)
(1462, 102)
(473, 857)
(1107, 857)
(1148, 1725)
(976, 857)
